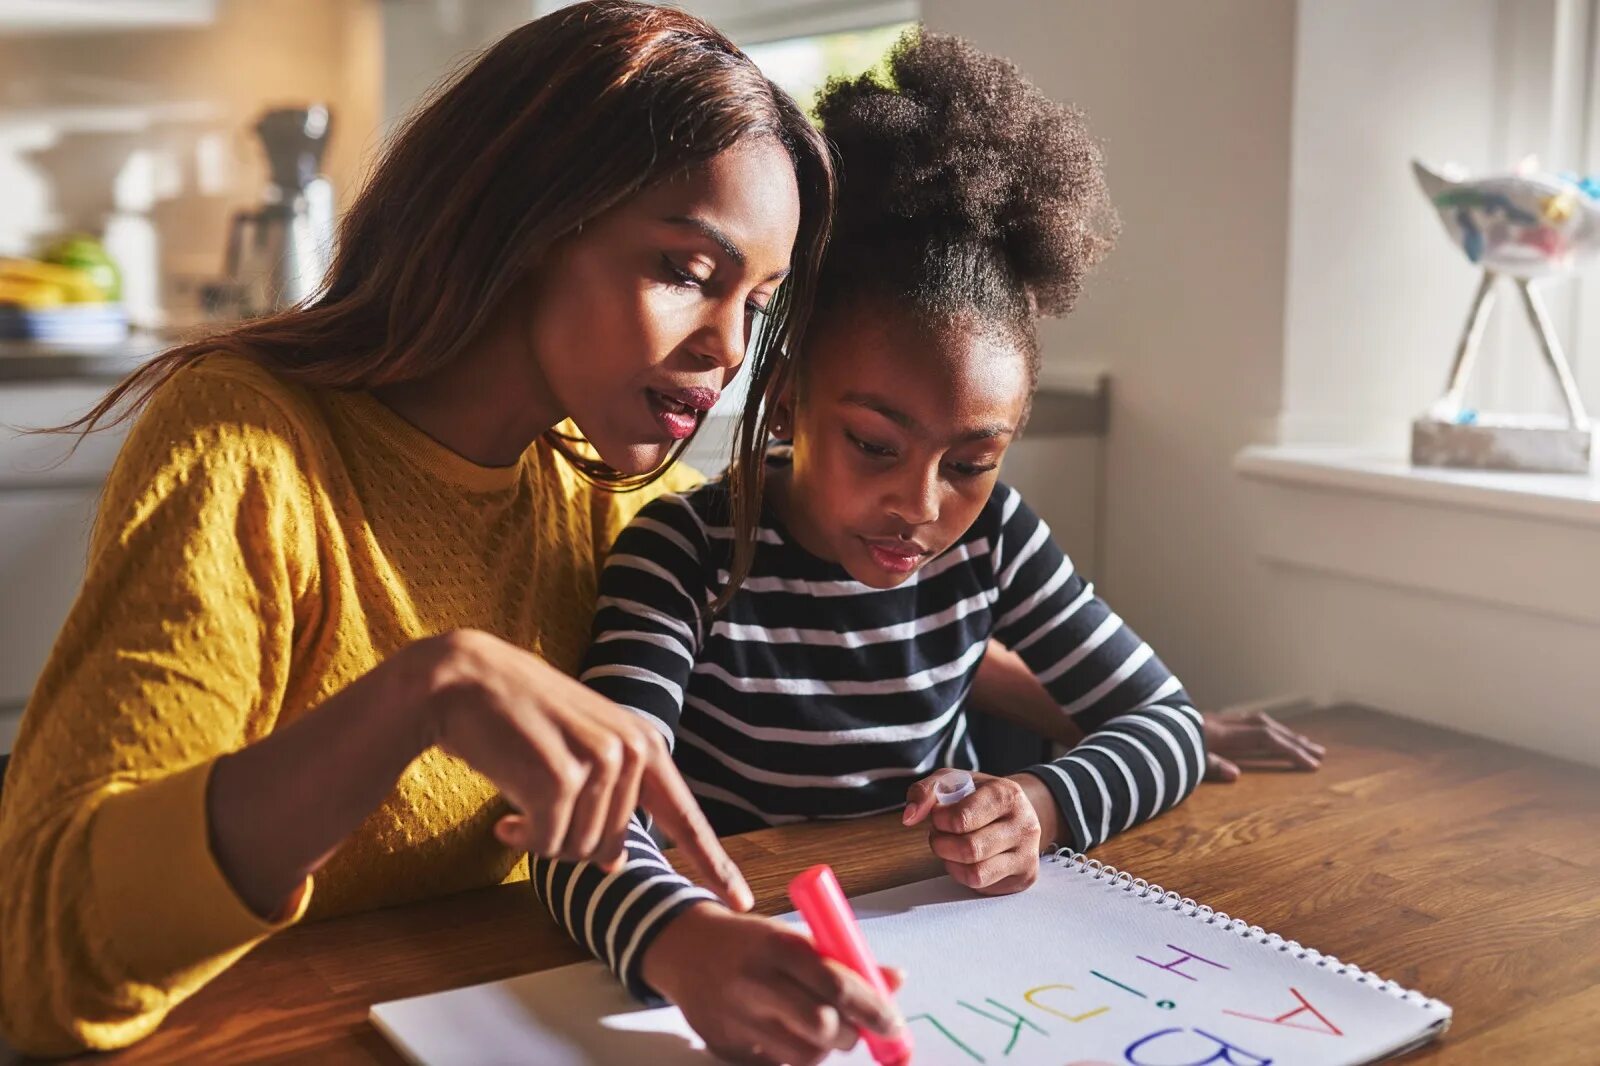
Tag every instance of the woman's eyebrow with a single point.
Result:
(721, 239)
(706, 229)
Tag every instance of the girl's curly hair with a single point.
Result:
(963, 189)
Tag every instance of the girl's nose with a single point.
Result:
(916, 500)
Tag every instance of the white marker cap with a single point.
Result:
(953, 787)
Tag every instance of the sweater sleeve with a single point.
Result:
(1143, 750)
(647, 632)
(112, 907)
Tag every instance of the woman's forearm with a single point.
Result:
(280, 807)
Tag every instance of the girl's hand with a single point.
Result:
(1255, 741)
(757, 991)
(573, 764)
(989, 841)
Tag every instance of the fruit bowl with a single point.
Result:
(70, 324)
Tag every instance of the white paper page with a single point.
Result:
(1074, 972)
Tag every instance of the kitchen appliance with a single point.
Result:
(279, 253)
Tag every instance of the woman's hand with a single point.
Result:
(1255, 741)
(573, 764)
(756, 990)
(989, 841)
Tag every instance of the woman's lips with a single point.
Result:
(674, 416)
(700, 398)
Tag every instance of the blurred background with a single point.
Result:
(1221, 436)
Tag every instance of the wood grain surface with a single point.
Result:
(1463, 868)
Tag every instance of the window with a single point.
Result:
(1549, 56)
(800, 44)
(803, 64)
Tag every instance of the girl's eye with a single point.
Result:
(758, 310)
(971, 469)
(877, 451)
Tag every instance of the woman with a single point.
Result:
(347, 555)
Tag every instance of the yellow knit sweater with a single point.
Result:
(259, 546)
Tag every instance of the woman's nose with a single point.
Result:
(725, 336)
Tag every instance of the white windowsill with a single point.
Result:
(1567, 498)
(1523, 543)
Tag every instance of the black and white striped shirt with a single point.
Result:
(815, 696)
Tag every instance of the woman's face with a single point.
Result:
(641, 320)
(898, 432)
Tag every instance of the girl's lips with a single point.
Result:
(675, 417)
(895, 557)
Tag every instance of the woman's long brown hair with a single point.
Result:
(563, 119)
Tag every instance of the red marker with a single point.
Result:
(820, 901)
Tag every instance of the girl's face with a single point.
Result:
(640, 320)
(898, 436)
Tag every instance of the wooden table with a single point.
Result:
(1456, 866)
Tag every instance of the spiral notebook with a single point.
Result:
(1089, 967)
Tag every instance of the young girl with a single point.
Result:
(887, 556)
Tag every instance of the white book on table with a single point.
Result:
(1089, 967)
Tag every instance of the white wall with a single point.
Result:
(1456, 598)
(1192, 105)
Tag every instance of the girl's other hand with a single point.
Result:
(1255, 741)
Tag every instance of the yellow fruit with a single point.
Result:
(29, 294)
(76, 285)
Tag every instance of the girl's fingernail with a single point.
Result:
(911, 812)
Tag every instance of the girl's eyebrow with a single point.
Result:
(721, 240)
(876, 403)
(883, 407)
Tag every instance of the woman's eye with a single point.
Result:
(682, 276)
(759, 310)
(877, 451)
(971, 469)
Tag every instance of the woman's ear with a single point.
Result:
(782, 421)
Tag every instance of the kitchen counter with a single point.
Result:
(28, 362)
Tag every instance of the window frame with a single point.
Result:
(764, 21)
(1548, 107)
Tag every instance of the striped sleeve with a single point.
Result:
(616, 915)
(1142, 751)
(647, 630)
(649, 620)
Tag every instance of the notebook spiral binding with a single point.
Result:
(1145, 890)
